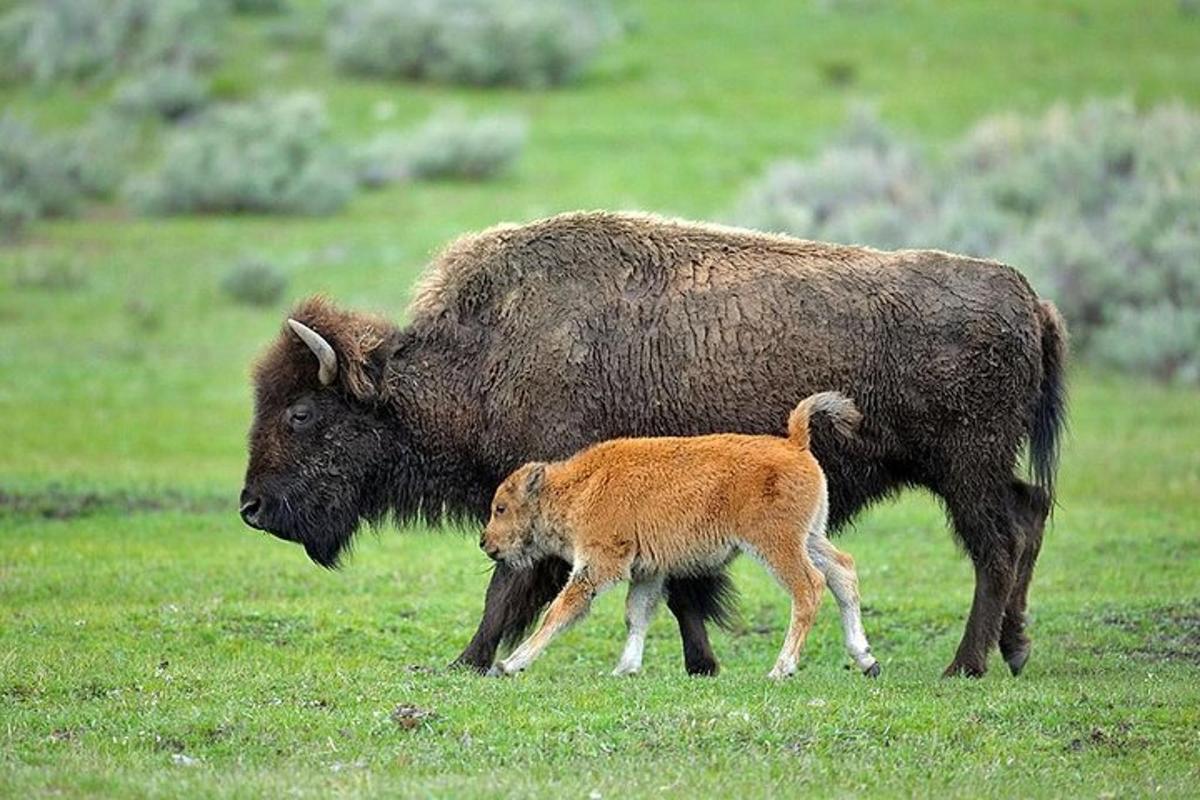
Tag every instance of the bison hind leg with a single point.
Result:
(985, 524)
(1030, 507)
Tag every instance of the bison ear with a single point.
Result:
(535, 479)
(375, 364)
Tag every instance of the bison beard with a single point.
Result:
(531, 342)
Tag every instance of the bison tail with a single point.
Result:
(840, 409)
(1049, 415)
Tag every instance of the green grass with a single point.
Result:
(127, 639)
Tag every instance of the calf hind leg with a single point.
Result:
(842, 580)
(791, 566)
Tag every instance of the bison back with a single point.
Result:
(594, 326)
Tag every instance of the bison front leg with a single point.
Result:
(514, 598)
(572, 603)
(694, 601)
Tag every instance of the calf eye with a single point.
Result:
(500, 510)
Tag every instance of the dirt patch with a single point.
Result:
(1170, 632)
(56, 502)
(410, 717)
(64, 735)
(1117, 739)
(18, 693)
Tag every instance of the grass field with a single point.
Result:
(150, 645)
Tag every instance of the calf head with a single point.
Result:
(511, 534)
(322, 433)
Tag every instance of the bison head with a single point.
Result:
(322, 430)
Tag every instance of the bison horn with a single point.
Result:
(321, 349)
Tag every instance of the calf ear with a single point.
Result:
(535, 479)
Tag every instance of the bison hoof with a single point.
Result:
(706, 667)
(468, 665)
(495, 672)
(873, 670)
(959, 669)
(1016, 660)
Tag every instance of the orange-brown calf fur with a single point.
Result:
(646, 509)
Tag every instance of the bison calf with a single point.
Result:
(648, 509)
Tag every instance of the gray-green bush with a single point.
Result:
(169, 91)
(1099, 203)
(272, 156)
(46, 175)
(450, 145)
(260, 6)
(91, 39)
(255, 282)
(50, 274)
(531, 43)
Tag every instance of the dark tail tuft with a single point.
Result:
(1049, 416)
(712, 594)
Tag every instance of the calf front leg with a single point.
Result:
(514, 598)
(572, 603)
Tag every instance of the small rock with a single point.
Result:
(184, 760)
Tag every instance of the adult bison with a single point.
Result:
(528, 342)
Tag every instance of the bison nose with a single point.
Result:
(250, 506)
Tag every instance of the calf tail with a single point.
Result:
(840, 409)
(1049, 414)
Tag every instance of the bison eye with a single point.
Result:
(300, 416)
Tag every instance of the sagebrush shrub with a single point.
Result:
(51, 274)
(532, 43)
(97, 155)
(450, 145)
(259, 6)
(866, 186)
(273, 156)
(255, 282)
(1100, 204)
(88, 39)
(46, 175)
(170, 91)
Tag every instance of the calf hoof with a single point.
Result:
(706, 667)
(495, 672)
(1016, 659)
(962, 669)
(621, 672)
(780, 673)
(873, 670)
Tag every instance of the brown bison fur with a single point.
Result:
(530, 342)
(643, 510)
